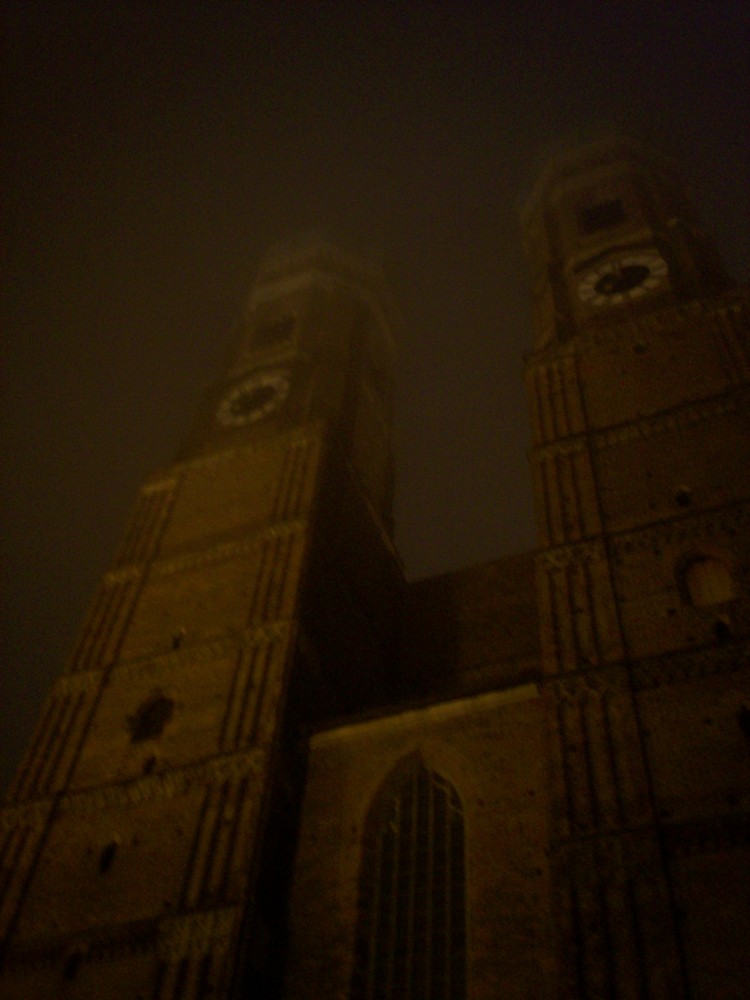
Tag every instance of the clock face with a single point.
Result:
(254, 398)
(623, 279)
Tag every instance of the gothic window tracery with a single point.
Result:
(411, 935)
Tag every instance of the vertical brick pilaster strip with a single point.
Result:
(610, 754)
(602, 766)
(584, 477)
(561, 624)
(555, 502)
(63, 749)
(244, 689)
(12, 850)
(171, 981)
(548, 619)
(243, 836)
(25, 776)
(261, 570)
(538, 472)
(48, 752)
(574, 764)
(605, 623)
(563, 425)
(589, 599)
(566, 498)
(105, 625)
(572, 654)
(532, 383)
(218, 855)
(547, 423)
(581, 614)
(201, 846)
(562, 790)
(249, 730)
(20, 842)
(82, 654)
(107, 619)
(144, 531)
(573, 397)
(623, 742)
(275, 567)
(226, 886)
(280, 501)
(733, 348)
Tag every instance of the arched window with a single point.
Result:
(707, 580)
(411, 934)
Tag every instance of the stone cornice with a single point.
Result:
(578, 687)
(651, 672)
(218, 552)
(729, 306)
(708, 836)
(311, 434)
(689, 665)
(611, 855)
(560, 556)
(223, 551)
(615, 855)
(669, 421)
(573, 445)
(33, 814)
(196, 934)
(170, 784)
(692, 526)
(200, 652)
(189, 935)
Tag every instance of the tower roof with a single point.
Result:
(601, 152)
(314, 256)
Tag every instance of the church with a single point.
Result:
(272, 768)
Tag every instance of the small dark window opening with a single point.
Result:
(107, 857)
(273, 332)
(72, 965)
(743, 720)
(150, 719)
(722, 630)
(604, 215)
(683, 496)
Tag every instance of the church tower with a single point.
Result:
(273, 769)
(147, 841)
(641, 455)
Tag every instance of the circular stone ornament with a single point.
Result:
(623, 279)
(254, 398)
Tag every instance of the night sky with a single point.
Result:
(152, 152)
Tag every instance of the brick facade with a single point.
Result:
(273, 768)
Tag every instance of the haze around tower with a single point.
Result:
(153, 154)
